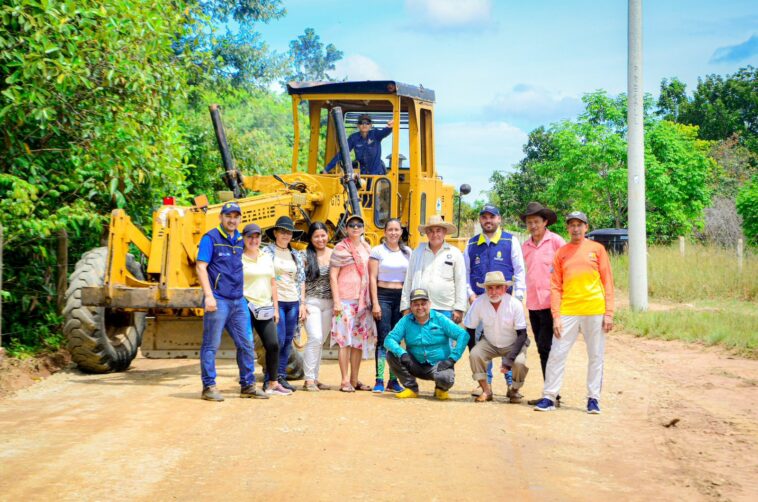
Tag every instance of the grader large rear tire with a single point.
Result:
(100, 339)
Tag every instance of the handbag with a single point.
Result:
(261, 313)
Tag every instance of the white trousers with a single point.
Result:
(317, 325)
(594, 338)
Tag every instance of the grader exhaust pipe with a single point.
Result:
(349, 179)
(231, 176)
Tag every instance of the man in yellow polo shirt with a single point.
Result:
(581, 296)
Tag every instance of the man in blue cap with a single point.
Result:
(493, 250)
(219, 269)
(367, 143)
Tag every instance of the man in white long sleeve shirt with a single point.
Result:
(437, 267)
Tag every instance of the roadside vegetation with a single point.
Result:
(699, 297)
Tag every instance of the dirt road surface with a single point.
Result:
(145, 435)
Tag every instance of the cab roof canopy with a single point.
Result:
(362, 87)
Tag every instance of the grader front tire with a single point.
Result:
(100, 340)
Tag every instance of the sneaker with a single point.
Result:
(394, 386)
(251, 391)
(406, 394)
(440, 394)
(545, 404)
(532, 402)
(211, 394)
(378, 386)
(276, 389)
(284, 383)
(592, 406)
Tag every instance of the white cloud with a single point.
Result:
(449, 15)
(533, 105)
(358, 67)
(469, 152)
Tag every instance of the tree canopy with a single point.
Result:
(103, 105)
(581, 164)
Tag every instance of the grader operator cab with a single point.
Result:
(117, 303)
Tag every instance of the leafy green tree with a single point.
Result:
(85, 94)
(719, 106)
(673, 101)
(221, 38)
(581, 164)
(310, 60)
(747, 207)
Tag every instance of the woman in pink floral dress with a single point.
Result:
(353, 327)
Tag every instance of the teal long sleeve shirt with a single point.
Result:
(429, 342)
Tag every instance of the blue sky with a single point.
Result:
(502, 68)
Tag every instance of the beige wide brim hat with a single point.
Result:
(494, 279)
(436, 221)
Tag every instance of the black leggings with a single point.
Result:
(267, 331)
(542, 327)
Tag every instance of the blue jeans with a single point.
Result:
(285, 330)
(235, 317)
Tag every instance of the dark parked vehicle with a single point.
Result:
(614, 239)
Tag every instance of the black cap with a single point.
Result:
(419, 294)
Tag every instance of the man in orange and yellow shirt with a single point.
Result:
(581, 297)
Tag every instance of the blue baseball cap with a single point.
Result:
(231, 207)
(490, 208)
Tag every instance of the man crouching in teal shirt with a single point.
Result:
(427, 336)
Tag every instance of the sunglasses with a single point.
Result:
(364, 122)
(355, 225)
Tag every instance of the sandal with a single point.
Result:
(311, 387)
(362, 386)
(322, 386)
(347, 388)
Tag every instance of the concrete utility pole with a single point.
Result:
(636, 163)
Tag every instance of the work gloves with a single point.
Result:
(445, 365)
(406, 360)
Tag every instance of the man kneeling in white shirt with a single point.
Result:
(504, 335)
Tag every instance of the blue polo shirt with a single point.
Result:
(368, 151)
(428, 342)
(223, 254)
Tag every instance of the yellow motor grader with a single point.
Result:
(117, 303)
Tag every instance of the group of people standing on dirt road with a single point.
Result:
(407, 306)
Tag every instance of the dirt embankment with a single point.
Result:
(17, 374)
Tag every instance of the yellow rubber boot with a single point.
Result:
(440, 394)
(406, 394)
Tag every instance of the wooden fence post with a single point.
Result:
(681, 245)
(740, 252)
(62, 284)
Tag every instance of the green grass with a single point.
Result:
(734, 327)
(702, 298)
(704, 273)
